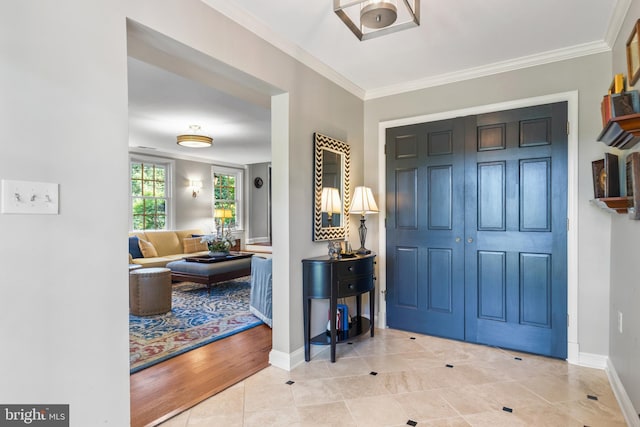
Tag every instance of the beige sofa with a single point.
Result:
(169, 245)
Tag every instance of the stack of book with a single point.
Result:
(619, 105)
(619, 102)
(341, 319)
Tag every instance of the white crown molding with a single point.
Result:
(259, 29)
(616, 21)
(490, 69)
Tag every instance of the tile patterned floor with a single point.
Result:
(400, 378)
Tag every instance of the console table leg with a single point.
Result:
(333, 308)
(306, 309)
(372, 307)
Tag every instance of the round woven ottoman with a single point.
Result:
(149, 291)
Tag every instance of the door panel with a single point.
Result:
(406, 200)
(476, 228)
(440, 183)
(425, 211)
(407, 272)
(535, 203)
(524, 176)
(492, 285)
(491, 196)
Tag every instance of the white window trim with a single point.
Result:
(239, 174)
(169, 186)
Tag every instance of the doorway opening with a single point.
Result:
(151, 47)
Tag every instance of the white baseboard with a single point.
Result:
(381, 320)
(590, 360)
(629, 412)
(286, 361)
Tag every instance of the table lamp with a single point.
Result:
(223, 214)
(331, 203)
(363, 203)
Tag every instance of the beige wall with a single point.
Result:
(625, 268)
(258, 203)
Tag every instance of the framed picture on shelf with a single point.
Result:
(599, 178)
(633, 184)
(611, 176)
(606, 179)
(633, 54)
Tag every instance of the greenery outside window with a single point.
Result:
(150, 195)
(227, 196)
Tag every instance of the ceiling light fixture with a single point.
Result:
(373, 18)
(194, 139)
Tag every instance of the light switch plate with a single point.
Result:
(25, 197)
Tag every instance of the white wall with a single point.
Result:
(625, 268)
(63, 115)
(587, 75)
(193, 212)
(64, 119)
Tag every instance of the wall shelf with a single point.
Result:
(622, 132)
(613, 204)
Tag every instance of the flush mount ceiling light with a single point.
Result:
(373, 18)
(194, 139)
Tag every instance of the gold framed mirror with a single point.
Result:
(331, 188)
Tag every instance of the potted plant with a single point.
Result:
(218, 244)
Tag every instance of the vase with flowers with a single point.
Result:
(218, 244)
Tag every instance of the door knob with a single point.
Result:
(470, 240)
(458, 239)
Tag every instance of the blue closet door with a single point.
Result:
(425, 225)
(476, 229)
(516, 222)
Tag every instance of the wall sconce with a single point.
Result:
(196, 186)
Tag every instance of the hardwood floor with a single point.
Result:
(168, 388)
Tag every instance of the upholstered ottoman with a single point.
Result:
(149, 291)
(211, 270)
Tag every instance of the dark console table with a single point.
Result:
(327, 278)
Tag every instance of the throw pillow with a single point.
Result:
(134, 247)
(193, 244)
(147, 249)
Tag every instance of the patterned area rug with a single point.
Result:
(195, 319)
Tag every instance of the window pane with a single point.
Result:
(138, 206)
(149, 207)
(136, 188)
(159, 173)
(147, 171)
(149, 223)
(136, 170)
(147, 188)
(138, 222)
(159, 189)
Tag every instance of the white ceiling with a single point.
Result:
(456, 40)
